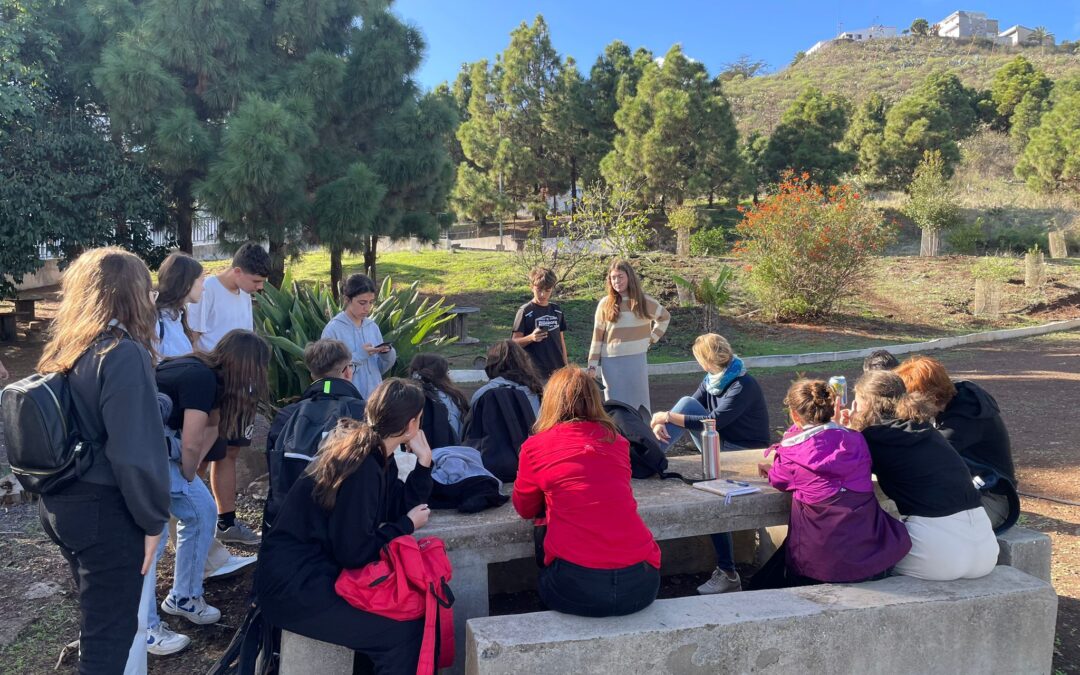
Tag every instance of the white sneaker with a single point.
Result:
(237, 533)
(232, 565)
(194, 610)
(160, 641)
(721, 582)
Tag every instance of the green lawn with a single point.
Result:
(493, 282)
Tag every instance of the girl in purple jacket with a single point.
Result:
(837, 532)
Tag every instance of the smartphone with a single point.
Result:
(380, 346)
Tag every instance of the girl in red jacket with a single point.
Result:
(599, 559)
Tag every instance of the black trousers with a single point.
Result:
(393, 647)
(104, 547)
(573, 589)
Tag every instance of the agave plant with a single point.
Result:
(292, 316)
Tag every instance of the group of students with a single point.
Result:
(185, 356)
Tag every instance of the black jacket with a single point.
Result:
(918, 469)
(972, 424)
(436, 422)
(308, 547)
(497, 425)
(116, 404)
(339, 388)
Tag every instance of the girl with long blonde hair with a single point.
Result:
(108, 522)
(627, 322)
(598, 558)
(339, 515)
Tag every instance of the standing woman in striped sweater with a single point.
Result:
(627, 322)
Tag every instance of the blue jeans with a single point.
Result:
(196, 513)
(725, 552)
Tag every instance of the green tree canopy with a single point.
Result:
(62, 181)
(938, 113)
(673, 133)
(866, 133)
(1013, 82)
(808, 137)
(1051, 160)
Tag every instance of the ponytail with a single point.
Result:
(812, 400)
(390, 408)
(340, 454)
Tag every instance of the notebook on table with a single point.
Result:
(727, 488)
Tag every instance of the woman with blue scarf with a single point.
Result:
(733, 398)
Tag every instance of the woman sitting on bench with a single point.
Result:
(597, 556)
(951, 536)
(339, 515)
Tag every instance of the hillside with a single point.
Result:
(889, 67)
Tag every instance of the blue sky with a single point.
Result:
(715, 32)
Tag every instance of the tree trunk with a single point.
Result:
(277, 261)
(185, 211)
(371, 249)
(711, 193)
(335, 271)
(573, 185)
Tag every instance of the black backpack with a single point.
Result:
(44, 447)
(646, 457)
(299, 442)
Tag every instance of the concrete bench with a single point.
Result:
(1002, 623)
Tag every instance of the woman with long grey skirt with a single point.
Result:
(626, 324)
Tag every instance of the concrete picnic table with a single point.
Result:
(670, 508)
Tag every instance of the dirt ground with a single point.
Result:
(1036, 382)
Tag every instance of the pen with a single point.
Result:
(738, 482)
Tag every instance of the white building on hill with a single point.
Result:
(858, 35)
(961, 24)
(871, 33)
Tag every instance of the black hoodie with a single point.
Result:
(972, 424)
(918, 469)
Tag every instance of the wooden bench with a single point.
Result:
(1001, 623)
(457, 327)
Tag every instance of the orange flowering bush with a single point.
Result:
(805, 247)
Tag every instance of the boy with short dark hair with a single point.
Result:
(330, 397)
(226, 306)
(540, 324)
(880, 359)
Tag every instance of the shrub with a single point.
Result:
(712, 295)
(296, 314)
(709, 241)
(995, 268)
(806, 247)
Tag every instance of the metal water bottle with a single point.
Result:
(710, 450)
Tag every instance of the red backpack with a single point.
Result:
(409, 581)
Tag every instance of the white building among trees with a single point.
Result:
(961, 24)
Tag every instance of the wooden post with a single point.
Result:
(1034, 269)
(987, 297)
(1058, 249)
(929, 245)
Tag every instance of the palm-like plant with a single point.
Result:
(711, 294)
(294, 315)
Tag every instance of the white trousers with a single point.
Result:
(960, 546)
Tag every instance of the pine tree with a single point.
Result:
(1051, 160)
(1016, 80)
(673, 132)
(171, 73)
(866, 133)
(807, 138)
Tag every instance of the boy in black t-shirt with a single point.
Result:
(539, 325)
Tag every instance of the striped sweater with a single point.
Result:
(630, 334)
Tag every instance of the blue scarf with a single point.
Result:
(715, 384)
